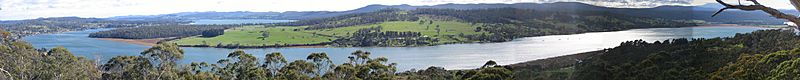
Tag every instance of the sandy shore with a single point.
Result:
(319, 46)
(731, 25)
(148, 42)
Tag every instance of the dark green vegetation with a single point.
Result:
(62, 24)
(21, 61)
(163, 31)
(684, 59)
(160, 63)
(763, 54)
(422, 27)
(375, 37)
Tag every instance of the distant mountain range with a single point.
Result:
(702, 12)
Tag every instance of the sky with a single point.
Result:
(31, 9)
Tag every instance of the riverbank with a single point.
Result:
(229, 46)
(148, 42)
(747, 26)
(556, 62)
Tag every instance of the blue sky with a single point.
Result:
(29, 9)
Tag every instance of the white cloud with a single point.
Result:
(28, 9)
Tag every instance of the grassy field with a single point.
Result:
(445, 27)
(252, 36)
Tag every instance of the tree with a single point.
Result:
(757, 6)
(493, 73)
(438, 31)
(322, 61)
(489, 63)
(244, 66)
(273, 62)
(198, 71)
(165, 56)
(127, 67)
(361, 67)
(787, 70)
(213, 32)
(299, 69)
(264, 35)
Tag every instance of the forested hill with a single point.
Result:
(670, 12)
(765, 54)
(61, 24)
(760, 55)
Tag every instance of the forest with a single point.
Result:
(760, 55)
(697, 58)
(375, 37)
(163, 31)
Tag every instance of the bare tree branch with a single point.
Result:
(757, 6)
(8, 74)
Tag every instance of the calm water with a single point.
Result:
(453, 56)
(236, 21)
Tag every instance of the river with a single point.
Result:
(451, 56)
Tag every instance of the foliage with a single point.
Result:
(375, 37)
(697, 58)
(437, 73)
(213, 33)
(781, 65)
(158, 63)
(20, 61)
(163, 31)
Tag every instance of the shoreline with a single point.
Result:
(315, 45)
(735, 25)
(556, 62)
(147, 42)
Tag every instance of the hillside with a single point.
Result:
(763, 54)
(702, 12)
(63, 24)
(422, 27)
